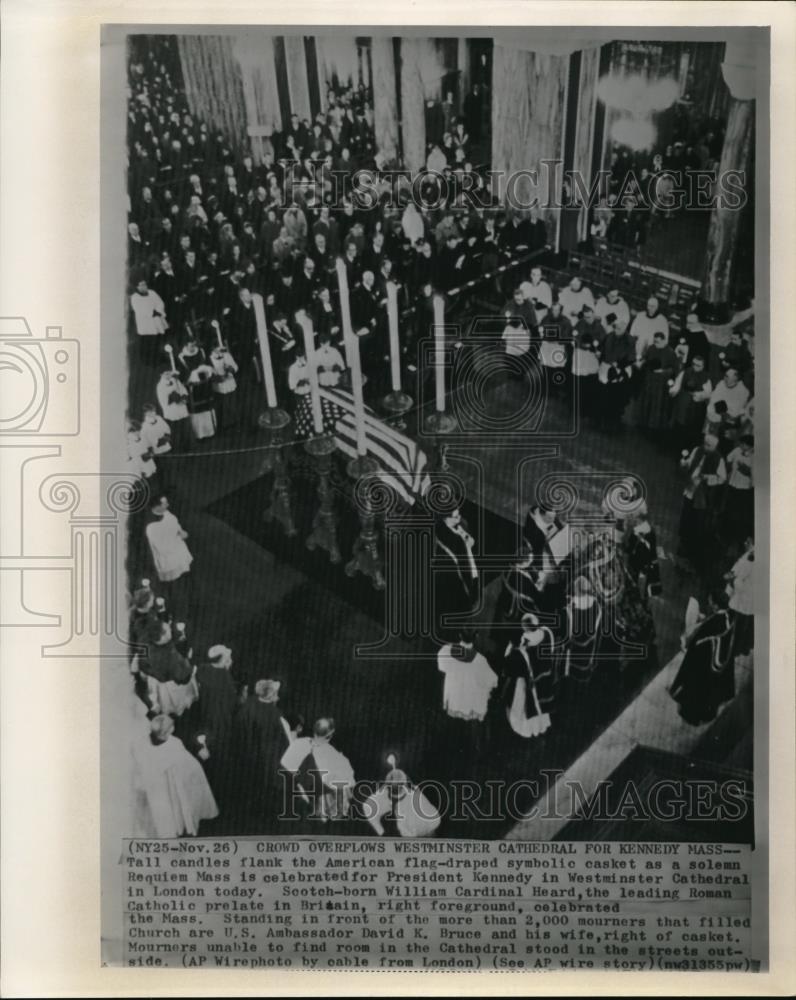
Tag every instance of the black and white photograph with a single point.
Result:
(442, 409)
(425, 560)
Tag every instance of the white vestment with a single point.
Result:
(414, 815)
(522, 724)
(150, 314)
(169, 551)
(644, 329)
(619, 308)
(175, 410)
(334, 767)
(468, 685)
(156, 434)
(541, 292)
(572, 302)
(172, 792)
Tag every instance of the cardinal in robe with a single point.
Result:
(706, 678)
(583, 620)
(457, 590)
(529, 669)
(400, 808)
(324, 777)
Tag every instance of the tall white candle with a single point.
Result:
(395, 347)
(345, 304)
(217, 325)
(170, 351)
(315, 389)
(352, 357)
(352, 353)
(439, 352)
(265, 351)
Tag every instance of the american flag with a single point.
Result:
(402, 464)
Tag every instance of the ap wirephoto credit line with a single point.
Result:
(446, 358)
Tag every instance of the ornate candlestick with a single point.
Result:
(324, 524)
(276, 422)
(438, 425)
(365, 556)
(274, 419)
(396, 404)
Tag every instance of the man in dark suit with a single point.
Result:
(518, 307)
(218, 700)
(241, 333)
(306, 284)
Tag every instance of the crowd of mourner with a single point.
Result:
(211, 227)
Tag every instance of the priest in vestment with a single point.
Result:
(529, 666)
(172, 795)
(323, 775)
(469, 680)
(456, 590)
(167, 542)
(400, 805)
(706, 678)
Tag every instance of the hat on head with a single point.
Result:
(267, 690)
(216, 652)
(142, 598)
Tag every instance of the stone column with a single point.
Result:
(298, 83)
(214, 86)
(413, 120)
(463, 66)
(717, 291)
(528, 109)
(385, 103)
(255, 55)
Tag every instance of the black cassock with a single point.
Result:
(261, 742)
(537, 665)
(529, 685)
(241, 334)
(456, 589)
(218, 700)
(706, 678)
(583, 621)
(215, 711)
(538, 541)
(519, 596)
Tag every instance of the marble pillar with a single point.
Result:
(717, 290)
(413, 121)
(528, 107)
(298, 84)
(385, 102)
